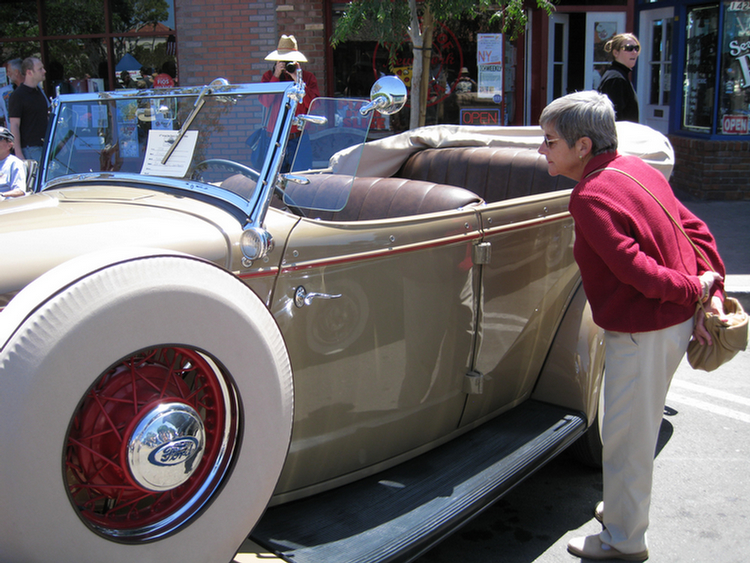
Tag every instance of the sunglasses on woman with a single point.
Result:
(630, 48)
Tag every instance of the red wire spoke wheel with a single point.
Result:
(106, 480)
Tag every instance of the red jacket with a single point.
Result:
(639, 271)
(311, 92)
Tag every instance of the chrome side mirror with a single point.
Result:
(387, 96)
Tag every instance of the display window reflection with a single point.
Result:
(734, 99)
(700, 68)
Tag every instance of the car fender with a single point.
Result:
(43, 287)
(572, 373)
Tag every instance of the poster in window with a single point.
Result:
(490, 65)
(5, 93)
(734, 98)
(603, 32)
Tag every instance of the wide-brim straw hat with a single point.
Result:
(287, 51)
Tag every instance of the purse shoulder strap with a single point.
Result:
(676, 223)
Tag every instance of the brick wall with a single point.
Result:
(305, 20)
(230, 38)
(712, 170)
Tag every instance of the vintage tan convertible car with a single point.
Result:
(348, 360)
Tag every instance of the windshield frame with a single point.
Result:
(252, 209)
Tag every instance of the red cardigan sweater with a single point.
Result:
(639, 271)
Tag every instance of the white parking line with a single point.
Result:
(731, 397)
(703, 405)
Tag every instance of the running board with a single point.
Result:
(400, 513)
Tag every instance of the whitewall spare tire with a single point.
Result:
(146, 412)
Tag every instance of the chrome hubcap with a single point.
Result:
(166, 446)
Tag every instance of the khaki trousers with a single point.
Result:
(639, 369)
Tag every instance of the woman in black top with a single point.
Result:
(615, 83)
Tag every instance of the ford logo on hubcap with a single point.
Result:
(175, 452)
(166, 446)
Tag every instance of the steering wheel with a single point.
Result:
(222, 164)
(231, 166)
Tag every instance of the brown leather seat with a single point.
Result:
(493, 173)
(375, 198)
(240, 184)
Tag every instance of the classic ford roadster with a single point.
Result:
(347, 353)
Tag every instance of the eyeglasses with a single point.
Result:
(549, 142)
(630, 48)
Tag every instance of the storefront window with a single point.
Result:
(734, 104)
(700, 68)
(81, 51)
(660, 65)
(71, 60)
(18, 19)
(454, 72)
(82, 17)
(132, 15)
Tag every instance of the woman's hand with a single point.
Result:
(716, 306)
(708, 279)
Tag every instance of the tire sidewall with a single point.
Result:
(63, 346)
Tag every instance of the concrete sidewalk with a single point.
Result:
(729, 221)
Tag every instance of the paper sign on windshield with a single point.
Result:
(159, 142)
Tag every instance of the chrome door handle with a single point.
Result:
(302, 298)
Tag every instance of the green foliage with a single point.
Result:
(387, 21)
(512, 16)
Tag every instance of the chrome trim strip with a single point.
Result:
(380, 253)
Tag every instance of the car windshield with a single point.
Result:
(133, 134)
(198, 136)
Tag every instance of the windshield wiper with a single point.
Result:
(196, 108)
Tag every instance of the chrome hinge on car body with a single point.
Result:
(482, 253)
(474, 383)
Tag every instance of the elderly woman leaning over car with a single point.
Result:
(643, 281)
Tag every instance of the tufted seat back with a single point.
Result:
(493, 173)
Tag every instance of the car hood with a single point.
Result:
(43, 230)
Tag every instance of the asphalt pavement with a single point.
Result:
(729, 222)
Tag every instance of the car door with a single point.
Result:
(382, 345)
(526, 283)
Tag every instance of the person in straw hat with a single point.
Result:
(465, 82)
(287, 58)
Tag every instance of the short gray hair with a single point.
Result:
(16, 64)
(583, 114)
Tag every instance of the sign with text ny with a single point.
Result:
(490, 65)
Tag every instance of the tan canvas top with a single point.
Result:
(384, 157)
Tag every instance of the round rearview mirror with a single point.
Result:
(387, 96)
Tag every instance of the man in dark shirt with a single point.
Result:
(28, 110)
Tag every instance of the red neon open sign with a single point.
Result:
(480, 116)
